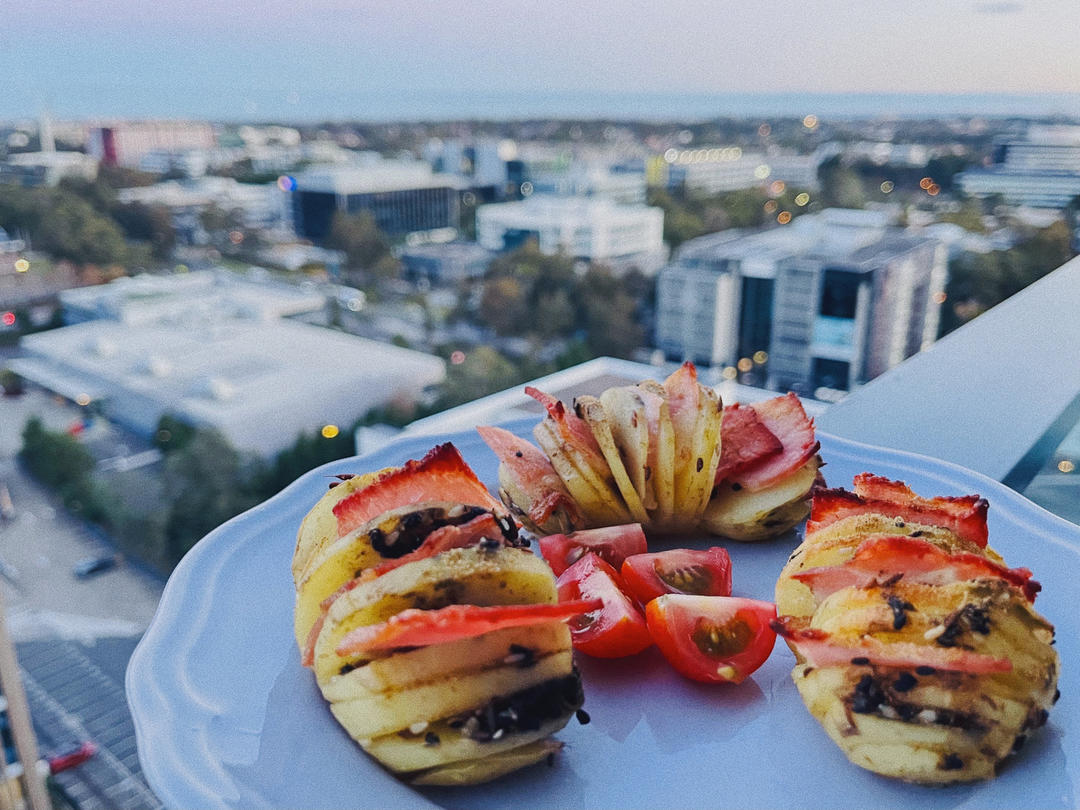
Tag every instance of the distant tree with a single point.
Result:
(64, 465)
(148, 223)
(841, 186)
(204, 485)
(484, 371)
(979, 281)
(609, 315)
(360, 238)
(172, 433)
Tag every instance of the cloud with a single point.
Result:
(1003, 7)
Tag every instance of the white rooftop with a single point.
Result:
(373, 177)
(260, 383)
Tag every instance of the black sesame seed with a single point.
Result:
(582, 717)
(700, 464)
(951, 763)
(860, 661)
(736, 487)
(1018, 743)
(519, 454)
(1057, 695)
(431, 738)
(905, 682)
(925, 670)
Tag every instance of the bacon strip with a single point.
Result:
(821, 650)
(965, 517)
(441, 475)
(882, 557)
(785, 418)
(744, 440)
(533, 473)
(415, 628)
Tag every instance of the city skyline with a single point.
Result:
(333, 59)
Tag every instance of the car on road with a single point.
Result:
(90, 566)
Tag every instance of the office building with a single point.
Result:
(403, 197)
(214, 351)
(445, 264)
(1042, 170)
(586, 228)
(714, 170)
(832, 300)
(125, 143)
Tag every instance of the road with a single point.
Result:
(42, 544)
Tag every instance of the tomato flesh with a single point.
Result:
(610, 543)
(705, 572)
(417, 628)
(712, 638)
(614, 630)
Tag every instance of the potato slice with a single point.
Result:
(438, 661)
(478, 771)
(470, 576)
(591, 488)
(629, 425)
(596, 417)
(661, 451)
(319, 527)
(372, 714)
(744, 515)
(407, 752)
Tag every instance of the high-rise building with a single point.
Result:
(831, 300)
(1042, 170)
(124, 143)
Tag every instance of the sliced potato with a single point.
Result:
(591, 488)
(592, 411)
(439, 745)
(371, 714)
(629, 425)
(562, 519)
(478, 771)
(319, 527)
(439, 661)
(744, 515)
(661, 451)
(475, 576)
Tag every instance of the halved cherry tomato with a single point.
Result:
(704, 572)
(712, 638)
(616, 629)
(416, 628)
(611, 543)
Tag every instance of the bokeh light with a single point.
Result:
(926, 182)
(1066, 466)
(329, 431)
(784, 217)
(939, 297)
(770, 207)
(745, 364)
(761, 357)
(776, 188)
(286, 183)
(82, 399)
(802, 199)
(762, 171)
(933, 189)
(729, 373)
(236, 237)
(8, 318)
(21, 265)
(887, 187)
(810, 122)
(764, 130)
(457, 358)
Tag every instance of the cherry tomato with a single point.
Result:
(712, 638)
(417, 628)
(611, 543)
(680, 570)
(616, 629)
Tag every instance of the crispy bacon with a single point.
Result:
(785, 418)
(533, 473)
(820, 649)
(572, 428)
(744, 440)
(441, 475)
(883, 557)
(964, 516)
(416, 628)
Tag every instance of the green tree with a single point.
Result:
(360, 238)
(484, 371)
(148, 223)
(204, 485)
(841, 185)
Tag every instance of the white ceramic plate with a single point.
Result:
(225, 716)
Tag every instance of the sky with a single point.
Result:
(353, 58)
